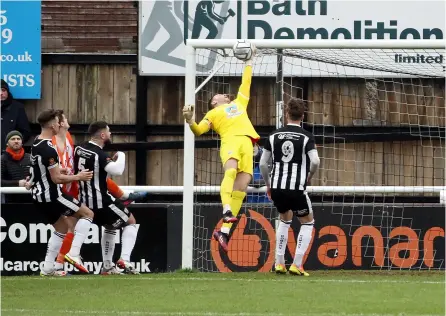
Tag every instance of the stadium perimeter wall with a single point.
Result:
(415, 241)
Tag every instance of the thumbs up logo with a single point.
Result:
(251, 245)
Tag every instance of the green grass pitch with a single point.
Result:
(324, 293)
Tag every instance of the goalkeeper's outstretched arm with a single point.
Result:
(198, 129)
(245, 87)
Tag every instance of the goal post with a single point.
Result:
(335, 58)
(188, 176)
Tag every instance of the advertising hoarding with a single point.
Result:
(166, 25)
(20, 23)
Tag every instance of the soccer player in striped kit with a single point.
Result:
(59, 209)
(111, 214)
(64, 145)
(294, 162)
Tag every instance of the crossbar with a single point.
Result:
(323, 44)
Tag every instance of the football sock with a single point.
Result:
(236, 204)
(80, 233)
(58, 265)
(114, 189)
(66, 245)
(129, 233)
(282, 241)
(54, 244)
(124, 196)
(108, 247)
(303, 241)
(226, 187)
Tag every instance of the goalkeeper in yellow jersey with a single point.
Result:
(230, 120)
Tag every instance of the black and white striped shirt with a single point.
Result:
(43, 158)
(94, 192)
(289, 147)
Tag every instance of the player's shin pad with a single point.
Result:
(237, 201)
(226, 186)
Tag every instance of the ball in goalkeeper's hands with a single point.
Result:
(244, 50)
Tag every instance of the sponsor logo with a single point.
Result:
(419, 58)
(21, 65)
(246, 248)
(83, 153)
(35, 266)
(36, 233)
(232, 111)
(286, 20)
(165, 26)
(182, 20)
(118, 223)
(252, 246)
(287, 136)
(18, 233)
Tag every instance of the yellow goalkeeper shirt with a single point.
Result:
(231, 119)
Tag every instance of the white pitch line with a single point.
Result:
(98, 312)
(153, 313)
(292, 279)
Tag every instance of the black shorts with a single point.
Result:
(296, 201)
(115, 215)
(64, 205)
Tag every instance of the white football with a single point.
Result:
(243, 50)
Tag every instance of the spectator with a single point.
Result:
(15, 164)
(13, 115)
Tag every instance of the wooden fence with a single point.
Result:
(87, 93)
(108, 92)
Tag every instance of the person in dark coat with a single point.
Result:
(13, 115)
(15, 164)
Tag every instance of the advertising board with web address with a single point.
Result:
(166, 25)
(20, 53)
(24, 240)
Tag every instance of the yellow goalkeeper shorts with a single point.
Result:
(241, 149)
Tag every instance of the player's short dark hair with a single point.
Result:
(46, 116)
(96, 127)
(60, 115)
(296, 108)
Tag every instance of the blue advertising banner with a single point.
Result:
(20, 25)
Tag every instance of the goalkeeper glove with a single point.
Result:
(254, 50)
(188, 113)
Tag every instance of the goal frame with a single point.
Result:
(190, 91)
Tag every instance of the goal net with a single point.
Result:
(378, 116)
